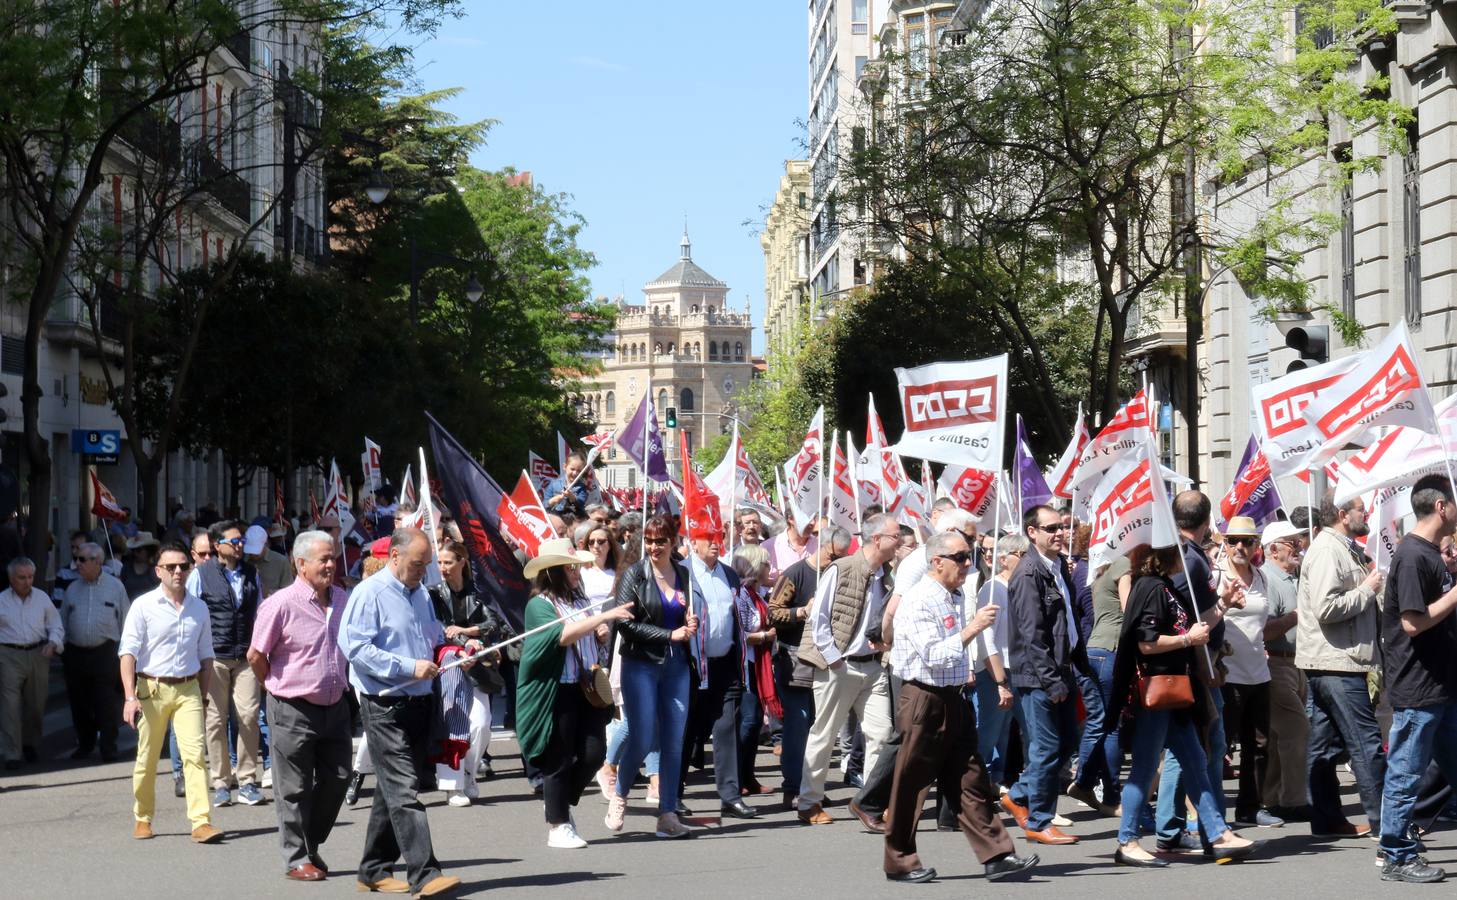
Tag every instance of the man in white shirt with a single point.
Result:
(92, 613)
(165, 651)
(30, 634)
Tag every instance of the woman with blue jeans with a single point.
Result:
(656, 647)
(1100, 757)
(1159, 634)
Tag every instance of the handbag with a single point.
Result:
(595, 684)
(1165, 691)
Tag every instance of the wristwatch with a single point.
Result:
(1002, 683)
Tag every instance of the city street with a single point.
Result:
(68, 825)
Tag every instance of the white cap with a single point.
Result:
(254, 540)
(1278, 531)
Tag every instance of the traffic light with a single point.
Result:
(1312, 342)
(672, 416)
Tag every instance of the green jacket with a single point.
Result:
(542, 660)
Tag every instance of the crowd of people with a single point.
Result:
(997, 668)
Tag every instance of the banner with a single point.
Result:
(974, 490)
(1253, 493)
(1125, 433)
(473, 498)
(1032, 489)
(701, 518)
(103, 503)
(844, 510)
(523, 519)
(373, 472)
(1384, 511)
(1289, 441)
(1065, 472)
(1384, 389)
(541, 472)
(1399, 457)
(643, 442)
(954, 412)
(1128, 508)
(802, 474)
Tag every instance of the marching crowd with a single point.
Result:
(995, 667)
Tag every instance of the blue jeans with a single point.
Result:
(799, 715)
(751, 725)
(1101, 755)
(1172, 813)
(1153, 730)
(1051, 730)
(1418, 736)
(993, 727)
(655, 704)
(1342, 718)
(617, 749)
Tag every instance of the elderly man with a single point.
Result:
(92, 613)
(1336, 632)
(1043, 641)
(295, 653)
(1284, 786)
(936, 723)
(165, 651)
(30, 634)
(748, 527)
(389, 633)
(229, 587)
(848, 674)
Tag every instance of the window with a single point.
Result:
(611, 403)
(713, 349)
(662, 399)
(697, 350)
(739, 351)
(860, 62)
(693, 309)
(859, 10)
(685, 400)
(657, 348)
(1411, 203)
(1348, 249)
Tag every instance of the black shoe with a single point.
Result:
(1414, 871)
(855, 780)
(1007, 866)
(29, 754)
(1122, 859)
(1226, 854)
(351, 795)
(179, 789)
(1186, 842)
(81, 753)
(682, 810)
(738, 810)
(915, 876)
(943, 825)
(108, 756)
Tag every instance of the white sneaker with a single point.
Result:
(564, 837)
(268, 777)
(1061, 821)
(670, 827)
(616, 813)
(458, 798)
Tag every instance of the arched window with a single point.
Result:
(693, 309)
(642, 351)
(685, 401)
(713, 349)
(611, 403)
(697, 350)
(662, 400)
(671, 348)
(739, 350)
(657, 348)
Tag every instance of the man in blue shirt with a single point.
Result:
(561, 499)
(714, 704)
(389, 635)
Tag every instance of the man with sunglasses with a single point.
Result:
(937, 725)
(1284, 787)
(228, 586)
(1043, 641)
(166, 655)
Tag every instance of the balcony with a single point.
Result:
(209, 174)
(241, 46)
(298, 104)
(147, 131)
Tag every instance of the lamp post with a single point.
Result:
(378, 189)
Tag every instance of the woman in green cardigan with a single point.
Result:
(560, 731)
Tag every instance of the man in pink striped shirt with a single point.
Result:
(295, 653)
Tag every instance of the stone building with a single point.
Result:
(785, 240)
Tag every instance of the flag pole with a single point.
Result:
(732, 525)
(820, 502)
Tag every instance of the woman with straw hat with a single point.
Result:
(562, 732)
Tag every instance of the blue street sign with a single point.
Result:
(96, 441)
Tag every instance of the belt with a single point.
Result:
(25, 646)
(865, 657)
(952, 689)
(167, 679)
(1282, 654)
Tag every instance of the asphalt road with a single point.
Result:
(66, 832)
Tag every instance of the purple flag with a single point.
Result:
(641, 440)
(1253, 493)
(1031, 486)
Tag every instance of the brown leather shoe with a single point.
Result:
(1051, 835)
(306, 872)
(871, 823)
(207, 834)
(1015, 810)
(142, 831)
(815, 815)
(386, 885)
(438, 885)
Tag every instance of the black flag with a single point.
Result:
(472, 496)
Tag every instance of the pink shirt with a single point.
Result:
(301, 640)
(782, 555)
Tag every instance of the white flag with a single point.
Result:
(1385, 388)
(955, 412)
(1400, 456)
(1128, 508)
(1289, 441)
(1063, 475)
(373, 472)
(1124, 434)
(978, 492)
(802, 474)
(844, 510)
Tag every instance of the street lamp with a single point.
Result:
(378, 189)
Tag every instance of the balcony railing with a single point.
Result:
(241, 46)
(208, 173)
(148, 131)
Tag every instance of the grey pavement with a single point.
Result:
(66, 831)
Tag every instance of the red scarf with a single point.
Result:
(764, 666)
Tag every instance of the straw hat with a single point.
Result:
(141, 539)
(556, 552)
(1242, 526)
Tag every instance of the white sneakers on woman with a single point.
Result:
(564, 837)
(458, 798)
(616, 813)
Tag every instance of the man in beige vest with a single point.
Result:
(848, 673)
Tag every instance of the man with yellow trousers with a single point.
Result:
(165, 650)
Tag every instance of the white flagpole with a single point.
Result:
(996, 528)
(646, 448)
(1310, 505)
(732, 525)
(820, 502)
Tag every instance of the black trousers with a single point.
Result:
(398, 731)
(93, 687)
(714, 710)
(573, 754)
(310, 746)
(1247, 717)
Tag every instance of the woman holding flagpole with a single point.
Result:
(561, 729)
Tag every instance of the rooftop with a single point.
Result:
(685, 272)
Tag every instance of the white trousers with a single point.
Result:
(464, 778)
(861, 686)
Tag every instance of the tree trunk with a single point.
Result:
(1117, 325)
(149, 467)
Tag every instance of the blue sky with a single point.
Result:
(643, 112)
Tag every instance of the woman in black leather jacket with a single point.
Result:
(656, 659)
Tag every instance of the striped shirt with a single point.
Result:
(93, 611)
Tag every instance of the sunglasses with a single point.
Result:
(176, 567)
(1240, 541)
(202, 554)
(960, 557)
(236, 542)
(655, 541)
(599, 542)
(1052, 529)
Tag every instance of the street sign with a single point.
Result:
(96, 441)
(100, 459)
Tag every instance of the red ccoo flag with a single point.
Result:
(522, 518)
(702, 519)
(103, 504)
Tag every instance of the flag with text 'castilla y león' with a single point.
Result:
(522, 517)
(954, 412)
(1399, 457)
(1253, 493)
(1291, 443)
(1125, 433)
(1128, 508)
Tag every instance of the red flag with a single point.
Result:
(1249, 480)
(103, 504)
(522, 518)
(702, 519)
(1121, 436)
(278, 510)
(314, 507)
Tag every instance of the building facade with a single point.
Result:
(682, 345)
(785, 240)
